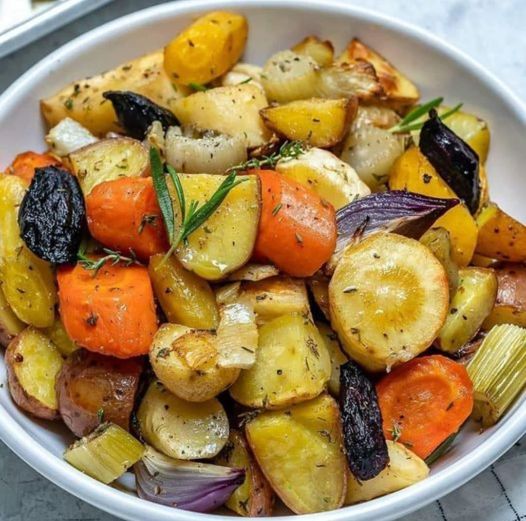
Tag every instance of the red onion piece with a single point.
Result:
(188, 485)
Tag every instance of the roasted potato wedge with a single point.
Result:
(93, 388)
(292, 365)
(510, 305)
(232, 110)
(27, 281)
(337, 356)
(319, 122)
(300, 452)
(226, 240)
(388, 297)
(412, 171)
(83, 101)
(33, 363)
(470, 306)
(404, 469)
(321, 171)
(500, 235)
(107, 160)
(186, 361)
(400, 92)
(322, 52)
(180, 429)
(206, 49)
(319, 288)
(184, 297)
(254, 498)
(10, 325)
(58, 335)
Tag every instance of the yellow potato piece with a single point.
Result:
(322, 52)
(300, 452)
(206, 49)
(336, 354)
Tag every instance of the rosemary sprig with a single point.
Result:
(112, 256)
(410, 122)
(288, 150)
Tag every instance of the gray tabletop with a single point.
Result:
(492, 31)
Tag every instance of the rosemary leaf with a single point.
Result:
(161, 190)
(416, 113)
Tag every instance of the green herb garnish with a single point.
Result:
(114, 257)
(396, 432)
(100, 415)
(244, 82)
(198, 87)
(410, 122)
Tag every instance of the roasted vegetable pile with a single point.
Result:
(250, 283)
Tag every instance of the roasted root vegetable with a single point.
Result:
(25, 164)
(67, 136)
(254, 497)
(471, 303)
(107, 160)
(424, 402)
(226, 240)
(27, 281)
(322, 52)
(10, 324)
(105, 454)
(301, 454)
(316, 121)
(109, 310)
(337, 356)
(137, 113)
(83, 100)
(254, 272)
(404, 469)
(498, 372)
(412, 171)
(185, 298)
(189, 485)
(52, 215)
(500, 235)
(510, 305)
(123, 214)
(33, 363)
(319, 288)
(321, 171)
(93, 388)
(206, 49)
(180, 429)
(297, 229)
(388, 298)
(292, 365)
(232, 110)
(363, 438)
(58, 335)
(243, 73)
(186, 361)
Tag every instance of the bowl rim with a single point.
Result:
(392, 506)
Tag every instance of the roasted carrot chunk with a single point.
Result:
(24, 164)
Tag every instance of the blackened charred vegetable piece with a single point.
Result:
(136, 113)
(362, 423)
(455, 161)
(52, 215)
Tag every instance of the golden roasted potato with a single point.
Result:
(300, 452)
(10, 325)
(255, 497)
(388, 298)
(412, 171)
(400, 92)
(93, 388)
(82, 100)
(27, 282)
(319, 288)
(206, 49)
(232, 110)
(322, 52)
(179, 429)
(500, 235)
(33, 363)
(510, 305)
(404, 469)
(58, 335)
(109, 159)
(332, 179)
(292, 365)
(319, 122)
(337, 356)
(186, 361)
(184, 297)
(226, 240)
(470, 306)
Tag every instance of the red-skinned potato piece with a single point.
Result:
(297, 229)
(111, 311)
(93, 388)
(124, 215)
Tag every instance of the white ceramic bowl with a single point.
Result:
(274, 25)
